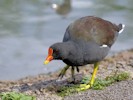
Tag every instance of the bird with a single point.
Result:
(87, 40)
(63, 9)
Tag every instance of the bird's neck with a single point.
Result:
(67, 48)
(73, 53)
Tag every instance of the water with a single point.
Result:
(29, 27)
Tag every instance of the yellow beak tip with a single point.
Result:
(46, 62)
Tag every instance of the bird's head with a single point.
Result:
(55, 51)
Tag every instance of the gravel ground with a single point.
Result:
(119, 91)
(44, 87)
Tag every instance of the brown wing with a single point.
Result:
(92, 29)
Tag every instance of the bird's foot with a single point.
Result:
(63, 72)
(83, 87)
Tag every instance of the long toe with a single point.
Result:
(83, 87)
(63, 72)
(60, 76)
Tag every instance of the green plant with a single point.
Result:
(15, 96)
(98, 84)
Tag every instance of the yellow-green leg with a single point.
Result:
(63, 71)
(72, 72)
(87, 86)
(94, 73)
(77, 68)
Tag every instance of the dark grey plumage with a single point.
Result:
(86, 41)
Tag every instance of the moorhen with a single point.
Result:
(86, 41)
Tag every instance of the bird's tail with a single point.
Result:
(121, 28)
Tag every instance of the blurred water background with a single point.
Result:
(29, 27)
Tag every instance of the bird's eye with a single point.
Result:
(56, 51)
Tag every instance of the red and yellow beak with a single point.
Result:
(49, 57)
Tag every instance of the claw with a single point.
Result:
(63, 72)
(60, 76)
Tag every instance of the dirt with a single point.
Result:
(44, 87)
(119, 91)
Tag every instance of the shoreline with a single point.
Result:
(40, 85)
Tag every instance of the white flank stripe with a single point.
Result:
(103, 46)
(123, 26)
